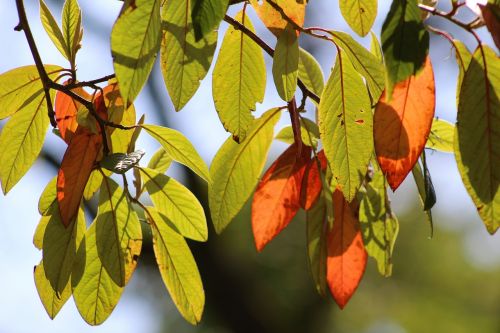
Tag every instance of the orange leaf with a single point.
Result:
(75, 170)
(273, 20)
(347, 256)
(401, 126)
(66, 109)
(311, 183)
(276, 200)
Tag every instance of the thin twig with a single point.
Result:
(295, 120)
(90, 83)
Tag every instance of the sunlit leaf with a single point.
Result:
(477, 141)
(239, 79)
(316, 244)
(178, 269)
(52, 301)
(463, 57)
(207, 15)
(66, 110)
(71, 28)
(345, 123)
(346, 260)
(135, 42)
(277, 197)
(177, 204)
(309, 133)
(312, 183)
(286, 63)
(184, 62)
(405, 42)
(310, 72)
(402, 125)
(425, 191)
(441, 136)
(160, 161)
(93, 184)
(236, 169)
(491, 17)
(359, 14)
(52, 28)
(273, 19)
(48, 196)
(179, 148)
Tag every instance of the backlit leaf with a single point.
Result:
(93, 184)
(48, 196)
(135, 41)
(178, 269)
(277, 197)
(207, 15)
(184, 62)
(118, 233)
(405, 42)
(402, 125)
(273, 19)
(286, 64)
(346, 260)
(312, 181)
(316, 244)
(94, 291)
(66, 109)
(179, 148)
(425, 191)
(71, 28)
(236, 169)
(345, 123)
(177, 204)
(441, 136)
(22, 140)
(74, 173)
(359, 14)
(52, 28)
(309, 133)
(52, 301)
(239, 79)
(310, 72)
(160, 161)
(477, 141)
(463, 57)
(20, 86)
(491, 17)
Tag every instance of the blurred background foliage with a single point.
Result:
(445, 284)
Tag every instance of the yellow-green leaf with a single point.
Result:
(236, 169)
(71, 28)
(160, 161)
(310, 72)
(118, 232)
(441, 136)
(309, 133)
(22, 140)
(40, 230)
(47, 197)
(52, 301)
(52, 28)
(135, 41)
(176, 204)
(93, 184)
(375, 48)
(477, 141)
(364, 62)
(463, 57)
(359, 14)
(184, 61)
(239, 79)
(207, 15)
(316, 244)
(178, 269)
(94, 291)
(346, 126)
(179, 148)
(286, 63)
(19, 86)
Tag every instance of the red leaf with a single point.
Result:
(75, 170)
(491, 16)
(66, 109)
(401, 126)
(276, 200)
(311, 183)
(347, 256)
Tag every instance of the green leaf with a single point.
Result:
(477, 141)
(405, 42)
(364, 62)
(464, 57)
(359, 14)
(178, 269)
(316, 244)
(239, 79)
(179, 148)
(71, 26)
(93, 184)
(286, 63)
(379, 225)
(40, 230)
(47, 197)
(52, 301)
(121, 163)
(310, 72)
(441, 136)
(22, 140)
(135, 41)
(176, 204)
(425, 192)
(184, 62)
(207, 15)
(59, 247)
(236, 169)
(160, 161)
(375, 48)
(94, 291)
(20, 86)
(309, 133)
(52, 28)
(118, 232)
(346, 126)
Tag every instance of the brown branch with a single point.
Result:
(91, 83)
(24, 26)
(295, 120)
